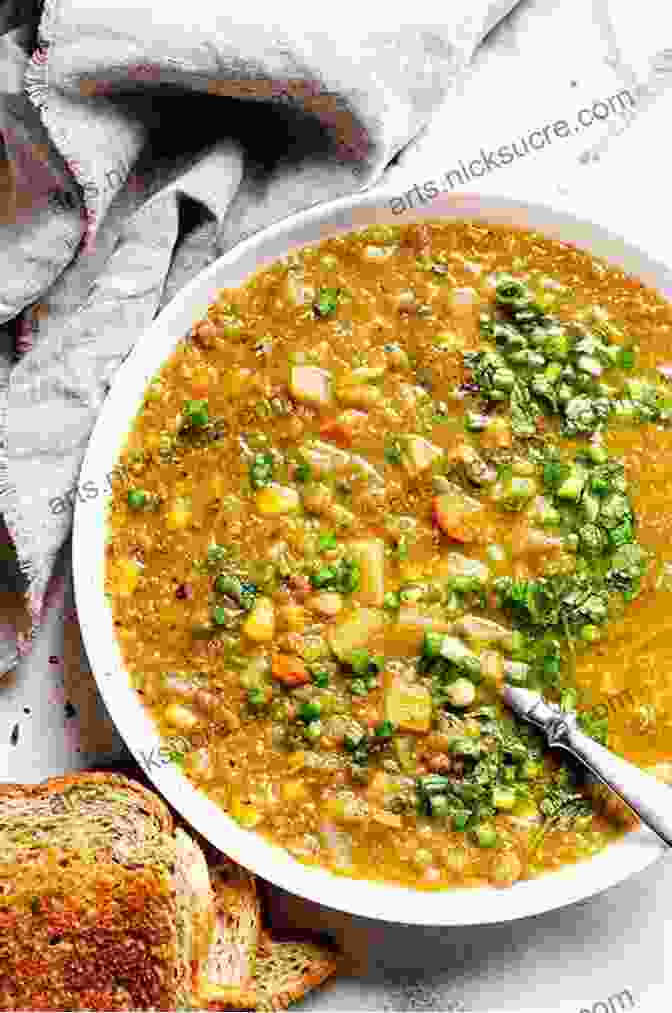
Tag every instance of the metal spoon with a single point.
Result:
(649, 798)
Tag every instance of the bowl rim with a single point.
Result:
(370, 899)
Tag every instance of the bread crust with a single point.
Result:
(88, 921)
(228, 976)
(53, 785)
(91, 922)
(287, 971)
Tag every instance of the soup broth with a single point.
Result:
(383, 477)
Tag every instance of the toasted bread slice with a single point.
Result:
(101, 907)
(287, 971)
(228, 975)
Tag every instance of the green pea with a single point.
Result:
(327, 541)
(597, 453)
(486, 837)
(360, 660)
(310, 711)
(137, 499)
(313, 730)
(256, 697)
(196, 413)
(228, 585)
(432, 644)
(327, 301)
(626, 358)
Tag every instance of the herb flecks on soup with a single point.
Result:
(385, 476)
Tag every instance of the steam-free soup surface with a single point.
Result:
(385, 476)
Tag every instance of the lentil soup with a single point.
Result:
(387, 474)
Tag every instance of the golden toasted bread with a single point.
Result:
(101, 906)
(228, 974)
(287, 971)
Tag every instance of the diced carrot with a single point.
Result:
(459, 533)
(338, 431)
(200, 390)
(290, 670)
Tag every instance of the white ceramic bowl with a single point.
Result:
(369, 899)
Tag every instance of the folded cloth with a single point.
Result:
(135, 126)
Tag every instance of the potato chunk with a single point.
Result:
(310, 385)
(324, 458)
(458, 515)
(260, 624)
(298, 293)
(179, 515)
(418, 454)
(277, 499)
(403, 637)
(408, 706)
(354, 630)
(125, 576)
(454, 564)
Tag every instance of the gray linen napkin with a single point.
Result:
(141, 143)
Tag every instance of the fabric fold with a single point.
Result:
(128, 114)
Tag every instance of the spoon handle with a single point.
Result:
(650, 798)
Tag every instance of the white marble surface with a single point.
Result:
(544, 63)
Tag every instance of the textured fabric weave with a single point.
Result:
(131, 127)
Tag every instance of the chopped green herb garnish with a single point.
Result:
(384, 729)
(327, 301)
